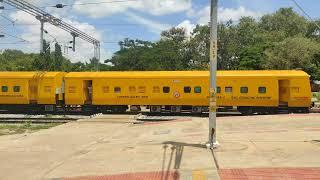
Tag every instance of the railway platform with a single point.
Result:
(119, 147)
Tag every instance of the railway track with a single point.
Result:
(36, 120)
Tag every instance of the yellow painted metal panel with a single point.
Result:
(300, 93)
(11, 97)
(105, 83)
(50, 87)
(74, 93)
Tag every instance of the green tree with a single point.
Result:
(295, 53)
(252, 58)
(44, 61)
(199, 46)
(170, 53)
(283, 23)
(58, 58)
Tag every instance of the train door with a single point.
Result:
(284, 92)
(87, 89)
(33, 90)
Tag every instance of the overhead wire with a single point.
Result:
(100, 24)
(80, 4)
(17, 42)
(8, 19)
(305, 13)
(96, 3)
(14, 36)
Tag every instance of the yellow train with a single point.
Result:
(174, 91)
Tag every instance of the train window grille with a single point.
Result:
(262, 90)
(142, 89)
(187, 89)
(228, 89)
(197, 90)
(166, 89)
(16, 88)
(295, 89)
(106, 89)
(47, 89)
(4, 88)
(218, 90)
(132, 89)
(244, 90)
(156, 89)
(117, 90)
(72, 89)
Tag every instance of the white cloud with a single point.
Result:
(188, 26)
(224, 14)
(154, 7)
(153, 26)
(84, 50)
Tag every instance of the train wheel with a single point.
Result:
(119, 109)
(273, 111)
(247, 112)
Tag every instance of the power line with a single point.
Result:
(27, 42)
(305, 12)
(14, 36)
(80, 4)
(97, 24)
(8, 19)
(93, 3)
(17, 42)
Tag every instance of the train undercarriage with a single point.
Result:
(93, 109)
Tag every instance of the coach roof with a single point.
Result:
(186, 74)
(27, 75)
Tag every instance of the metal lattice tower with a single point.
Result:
(45, 17)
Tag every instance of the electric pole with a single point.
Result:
(213, 75)
(45, 17)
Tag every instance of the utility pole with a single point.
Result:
(42, 21)
(213, 75)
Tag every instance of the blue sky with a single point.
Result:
(140, 19)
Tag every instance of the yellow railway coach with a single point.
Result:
(175, 91)
(31, 91)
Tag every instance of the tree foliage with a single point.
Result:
(281, 40)
(15, 60)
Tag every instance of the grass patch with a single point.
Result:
(9, 129)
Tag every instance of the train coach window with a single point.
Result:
(142, 89)
(72, 89)
(105, 89)
(228, 89)
(197, 90)
(4, 88)
(218, 90)
(47, 89)
(187, 89)
(132, 89)
(16, 88)
(117, 90)
(295, 89)
(244, 90)
(156, 89)
(166, 89)
(262, 90)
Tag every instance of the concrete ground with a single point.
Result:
(117, 147)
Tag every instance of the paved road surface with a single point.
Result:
(113, 147)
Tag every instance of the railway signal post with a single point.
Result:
(212, 143)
